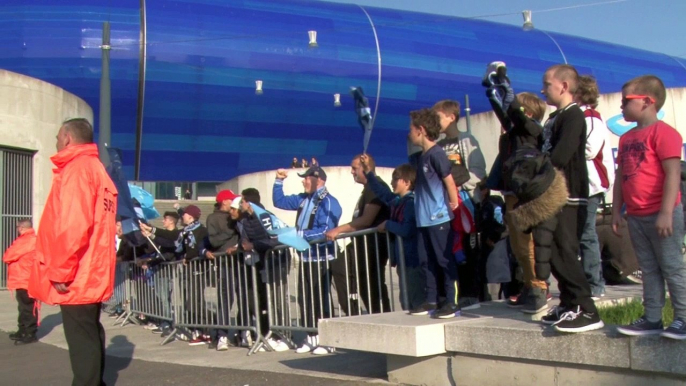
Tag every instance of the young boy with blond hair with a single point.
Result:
(647, 182)
(435, 200)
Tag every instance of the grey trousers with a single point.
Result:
(660, 260)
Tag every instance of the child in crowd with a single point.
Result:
(402, 223)
(564, 139)
(647, 181)
(601, 174)
(468, 168)
(520, 117)
(435, 200)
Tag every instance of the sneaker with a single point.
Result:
(223, 344)
(16, 335)
(468, 303)
(150, 326)
(424, 309)
(323, 350)
(536, 302)
(676, 330)
(26, 339)
(517, 301)
(278, 345)
(579, 320)
(309, 345)
(636, 277)
(246, 339)
(180, 336)
(640, 327)
(447, 311)
(158, 330)
(199, 341)
(212, 344)
(491, 76)
(597, 297)
(554, 315)
(115, 314)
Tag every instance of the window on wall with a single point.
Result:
(16, 196)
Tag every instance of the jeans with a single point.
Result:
(590, 249)
(660, 260)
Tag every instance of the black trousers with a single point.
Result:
(86, 341)
(468, 273)
(557, 242)
(314, 283)
(365, 278)
(27, 321)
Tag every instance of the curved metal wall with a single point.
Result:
(202, 119)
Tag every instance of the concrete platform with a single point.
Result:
(498, 345)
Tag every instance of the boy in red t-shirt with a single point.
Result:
(647, 181)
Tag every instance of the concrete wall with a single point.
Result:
(339, 182)
(31, 113)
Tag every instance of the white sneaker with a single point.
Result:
(246, 339)
(278, 345)
(323, 350)
(150, 326)
(223, 344)
(308, 345)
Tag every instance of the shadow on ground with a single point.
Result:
(48, 323)
(343, 362)
(119, 357)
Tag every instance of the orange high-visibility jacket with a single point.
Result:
(77, 231)
(19, 258)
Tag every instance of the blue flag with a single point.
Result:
(364, 115)
(125, 208)
(275, 227)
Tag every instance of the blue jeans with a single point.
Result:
(590, 249)
(661, 261)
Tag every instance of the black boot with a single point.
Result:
(26, 338)
(16, 335)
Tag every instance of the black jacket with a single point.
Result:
(565, 139)
(254, 232)
(165, 240)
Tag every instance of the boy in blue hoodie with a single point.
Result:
(402, 223)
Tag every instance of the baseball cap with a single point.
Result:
(226, 194)
(193, 211)
(236, 203)
(314, 171)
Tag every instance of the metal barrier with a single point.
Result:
(300, 292)
(119, 302)
(279, 293)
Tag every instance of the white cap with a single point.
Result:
(236, 203)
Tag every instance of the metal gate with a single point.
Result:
(16, 197)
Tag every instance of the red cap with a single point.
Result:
(226, 195)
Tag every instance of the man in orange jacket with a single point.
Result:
(19, 258)
(75, 259)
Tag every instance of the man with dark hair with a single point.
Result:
(75, 262)
(20, 257)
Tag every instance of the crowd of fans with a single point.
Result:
(461, 244)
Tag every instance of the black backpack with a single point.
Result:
(528, 172)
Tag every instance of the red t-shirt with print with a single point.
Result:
(640, 155)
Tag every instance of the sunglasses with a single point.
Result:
(627, 98)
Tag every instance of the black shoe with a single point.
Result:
(554, 315)
(16, 335)
(676, 330)
(424, 309)
(26, 339)
(536, 302)
(578, 320)
(642, 327)
(447, 311)
(518, 300)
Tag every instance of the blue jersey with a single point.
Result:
(431, 198)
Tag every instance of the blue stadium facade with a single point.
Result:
(202, 120)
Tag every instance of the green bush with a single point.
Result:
(626, 313)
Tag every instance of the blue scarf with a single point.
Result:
(187, 231)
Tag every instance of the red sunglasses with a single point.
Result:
(627, 98)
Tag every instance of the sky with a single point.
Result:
(654, 25)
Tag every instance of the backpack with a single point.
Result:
(528, 172)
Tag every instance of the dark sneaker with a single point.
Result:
(212, 345)
(640, 327)
(16, 335)
(468, 303)
(26, 339)
(518, 300)
(578, 320)
(676, 330)
(536, 302)
(554, 315)
(447, 311)
(424, 309)
(635, 277)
